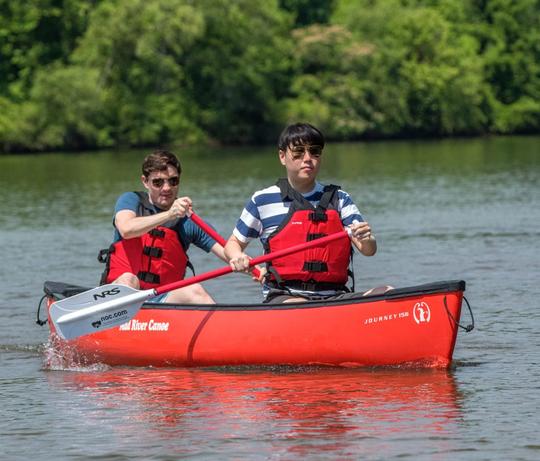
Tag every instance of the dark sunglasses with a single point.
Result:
(298, 152)
(159, 182)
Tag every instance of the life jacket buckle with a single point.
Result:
(148, 277)
(153, 252)
(318, 216)
(315, 266)
(157, 233)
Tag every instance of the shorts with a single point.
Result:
(276, 296)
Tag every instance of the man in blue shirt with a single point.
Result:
(153, 233)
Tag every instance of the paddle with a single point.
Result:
(111, 305)
(212, 233)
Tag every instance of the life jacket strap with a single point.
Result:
(148, 277)
(315, 266)
(157, 233)
(153, 252)
(277, 281)
(311, 237)
(103, 255)
(319, 215)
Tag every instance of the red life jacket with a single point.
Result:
(321, 268)
(156, 258)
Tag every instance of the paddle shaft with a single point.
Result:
(212, 233)
(258, 260)
(205, 227)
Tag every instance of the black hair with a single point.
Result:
(300, 133)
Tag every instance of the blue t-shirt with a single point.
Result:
(187, 230)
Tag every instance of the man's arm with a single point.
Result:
(219, 251)
(362, 238)
(130, 225)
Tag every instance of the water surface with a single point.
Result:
(454, 209)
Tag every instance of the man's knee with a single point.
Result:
(192, 294)
(129, 279)
(200, 295)
(195, 290)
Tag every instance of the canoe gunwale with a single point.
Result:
(59, 290)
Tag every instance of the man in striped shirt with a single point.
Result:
(267, 212)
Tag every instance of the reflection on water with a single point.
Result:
(342, 411)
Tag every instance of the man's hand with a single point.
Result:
(363, 239)
(361, 230)
(262, 273)
(240, 263)
(180, 207)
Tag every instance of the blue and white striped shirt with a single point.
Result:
(266, 210)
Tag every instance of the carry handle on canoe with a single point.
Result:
(111, 305)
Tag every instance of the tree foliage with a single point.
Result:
(307, 12)
(94, 73)
(240, 69)
(34, 34)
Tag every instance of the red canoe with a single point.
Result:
(416, 325)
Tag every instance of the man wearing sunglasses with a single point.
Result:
(152, 234)
(295, 210)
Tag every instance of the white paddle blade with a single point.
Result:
(95, 310)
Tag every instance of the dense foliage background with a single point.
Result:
(94, 73)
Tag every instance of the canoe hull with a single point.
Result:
(418, 328)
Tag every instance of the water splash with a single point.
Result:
(59, 356)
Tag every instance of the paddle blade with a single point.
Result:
(95, 310)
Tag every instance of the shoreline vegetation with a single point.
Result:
(100, 74)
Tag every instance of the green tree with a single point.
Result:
(240, 69)
(423, 77)
(327, 89)
(34, 37)
(437, 72)
(93, 73)
(307, 12)
(211, 70)
(68, 103)
(34, 34)
(509, 34)
(137, 47)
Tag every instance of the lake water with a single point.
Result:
(453, 209)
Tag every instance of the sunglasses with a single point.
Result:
(159, 182)
(298, 152)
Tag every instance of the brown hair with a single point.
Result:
(159, 160)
